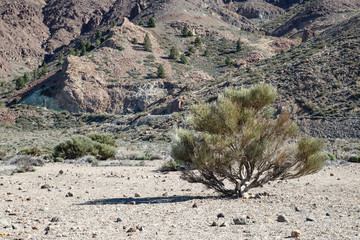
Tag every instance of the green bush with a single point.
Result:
(147, 43)
(20, 83)
(102, 138)
(183, 59)
(30, 151)
(151, 22)
(148, 156)
(171, 165)
(354, 159)
(161, 72)
(79, 146)
(238, 45)
(58, 159)
(198, 41)
(330, 156)
(174, 53)
(237, 140)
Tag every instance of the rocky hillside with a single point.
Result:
(97, 62)
(22, 34)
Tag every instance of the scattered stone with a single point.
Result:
(297, 209)
(137, 195)
(239, 221)
(118, 220)
(250, 216)
(331, 174)
(257, 196)
(223, 224)
(132, 203)
(130, 230)
(35, 228)
(45, 186)
(281, 218)
(28, 199)
(14, 226)
(245, 196)
(328, 214)
(195, 205)
(338, 179)
(165, 194)
(220, 215)
(214, 224)
(61, 172)
(295, 233)
(310, 218)
(140, 228)
(48, 229)
(69, 194)
(55, 219)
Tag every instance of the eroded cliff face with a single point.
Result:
(67, 20)
(22, 33)
(105, 80)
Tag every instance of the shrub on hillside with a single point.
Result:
(237, 140)
(102, 138)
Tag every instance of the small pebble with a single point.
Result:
(45, 186)
(310, 218)
(281, 218)
(131, 230)
(239, 221)
(220, 215)
(295, 233)
(69, 194)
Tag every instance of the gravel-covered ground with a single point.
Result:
(71, 201)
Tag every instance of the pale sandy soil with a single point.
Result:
(103, 194)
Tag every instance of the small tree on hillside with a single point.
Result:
(237, 141)
(147, 43)
(174, 53)
(141, 23)
(183, 59)
(26, 77)
(228, 61)
(35, 74)
(72, 52)
(198, 41)
(238, 45)
(185, 31)
(151, 22)
(191, 50)
(161, 72)
(20, 83)
(44, 70)
(98, 34)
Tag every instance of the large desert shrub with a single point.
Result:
(79, 146)
(236, 143)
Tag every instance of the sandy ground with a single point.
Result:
(103, 205)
